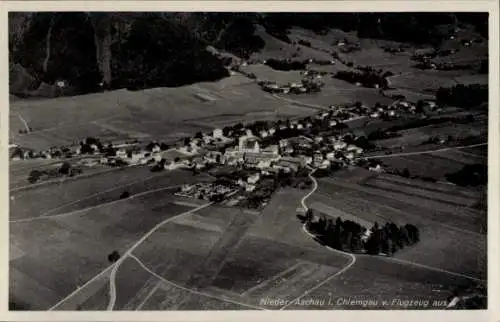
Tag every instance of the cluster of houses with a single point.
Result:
(206, 191)
(309, 84)
(17, 152)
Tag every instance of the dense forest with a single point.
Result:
(90, 50)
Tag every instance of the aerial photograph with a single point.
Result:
(190, 161)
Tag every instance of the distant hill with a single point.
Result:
(141, 50)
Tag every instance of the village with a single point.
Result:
(250, 161)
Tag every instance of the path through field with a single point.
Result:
(353, 257)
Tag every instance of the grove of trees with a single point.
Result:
(347, 235)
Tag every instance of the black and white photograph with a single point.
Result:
(231, 161)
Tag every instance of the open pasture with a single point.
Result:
(453, 231)
(276, 48)
(420, 81)
(113, 115)
(347, 196)
(266, 73)
(84, 239)
(416, 191)
(425, 165)
(331, 95)
(441, 187)
(382, 278)
(410, 95)
(51, 197)
(418, 136)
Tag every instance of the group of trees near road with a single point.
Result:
(465, 96)
(64, 170)
(366, 78)
(347, 235)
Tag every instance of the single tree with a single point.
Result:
(65, 168)
(125, 194)
(113, 257)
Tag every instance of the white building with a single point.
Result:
(351, 148)
(332, 123)
(217, 134)
(254, 178)
(248, 143)
(263, 134)
(339, 145)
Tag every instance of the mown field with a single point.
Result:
(113, 115)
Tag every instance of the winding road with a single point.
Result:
(348, 266)
(354, 257)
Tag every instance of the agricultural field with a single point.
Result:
(381, 280)
(266, 73)
(53, 198)
(443, 213)
(417, 136)
(162, 111)
(84, 239)
(430, 164)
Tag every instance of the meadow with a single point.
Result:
(84, 240)
(451, 236)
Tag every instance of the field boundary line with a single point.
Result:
(402, 261)
(144, 237)
(272, 278)
(140, 241)
(191, 290)
(92, 207)
(24, 122)
(68, 179)
(348, 266)
(148, 296)
(422, 152)
(98, 193)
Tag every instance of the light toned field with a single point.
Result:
(113, 115)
